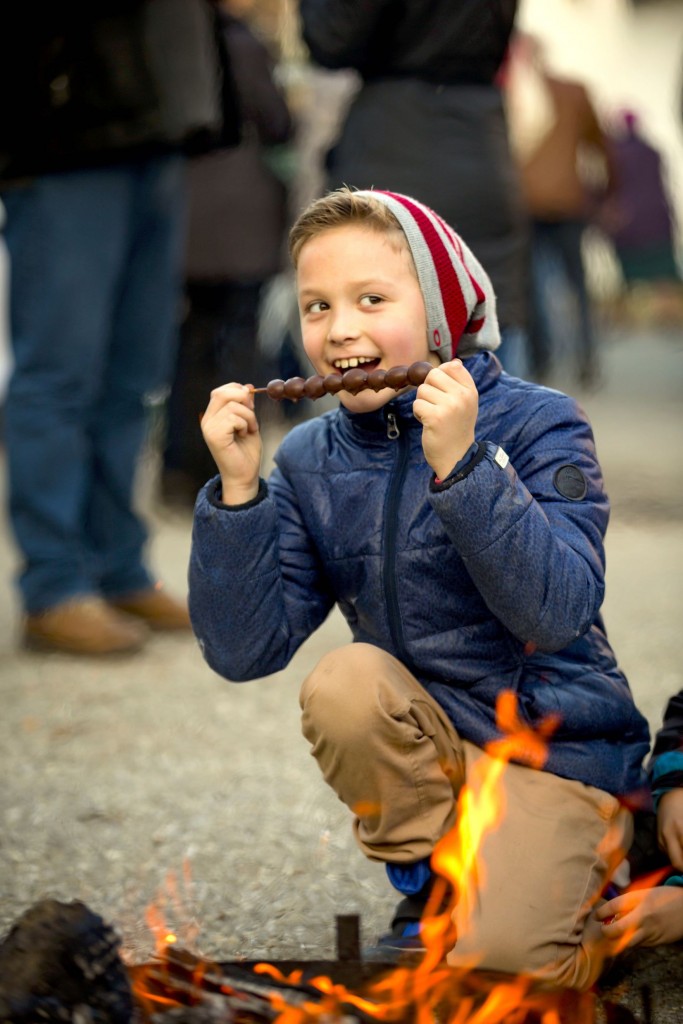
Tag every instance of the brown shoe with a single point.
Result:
(83, 625)
(155, 608)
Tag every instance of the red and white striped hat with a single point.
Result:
(457, 292)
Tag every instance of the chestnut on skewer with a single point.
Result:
(352, 381)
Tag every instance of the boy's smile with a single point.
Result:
(361, 305)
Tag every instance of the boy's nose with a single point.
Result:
(343, 328)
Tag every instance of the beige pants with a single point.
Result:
(393, 757)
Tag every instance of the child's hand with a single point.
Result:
(231, 431)
(446, 405)
(644, 917)
(670, 826)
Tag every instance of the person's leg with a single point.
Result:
(143, 340)
(544, 866)
(187, 461)
(386, 748)
(237, 356)
(513, 351)
(543, 265)
(393, 757)
(570, 249)
(65, 236)
(218, 343)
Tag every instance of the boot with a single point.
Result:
(83, 625)
(155, 608)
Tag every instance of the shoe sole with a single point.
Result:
(393, 954)
(157, 625)
(41, 645)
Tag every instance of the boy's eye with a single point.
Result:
(370, 300)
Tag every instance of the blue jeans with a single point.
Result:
(558, 245)
(95, 264)
(513, 351)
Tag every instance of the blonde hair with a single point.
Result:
(341, 207)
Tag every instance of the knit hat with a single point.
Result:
(457, 292)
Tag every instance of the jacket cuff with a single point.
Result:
(214, 494)
(667, 774)
(469, 462)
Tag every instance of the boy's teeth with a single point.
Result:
(348, 364)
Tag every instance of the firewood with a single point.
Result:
(60, 962)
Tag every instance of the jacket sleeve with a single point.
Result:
(262, 101)
(531, 539)
(340, 33)
(666, 764)
(256, 592)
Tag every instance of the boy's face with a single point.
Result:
(361, 305)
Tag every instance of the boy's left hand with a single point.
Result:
(447, 405)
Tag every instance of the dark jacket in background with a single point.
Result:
(429, 119)
(639, 217)
(238, 205)
(87, 85)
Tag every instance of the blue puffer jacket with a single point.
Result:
(492, 582)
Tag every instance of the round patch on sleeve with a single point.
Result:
(570, 482)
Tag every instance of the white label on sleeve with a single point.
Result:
(501, 457)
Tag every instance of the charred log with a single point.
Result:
(60, 962)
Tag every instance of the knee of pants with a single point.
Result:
(337, 698)
(544, 867)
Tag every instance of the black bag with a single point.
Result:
(199, 101)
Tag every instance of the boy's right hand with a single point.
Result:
(670, 826)
(231, 431)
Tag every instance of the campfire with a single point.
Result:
(62, 962)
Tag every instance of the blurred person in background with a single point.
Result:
(235, 243)
(565, 166)
(99, 107)
(429, 121)
(639, 218)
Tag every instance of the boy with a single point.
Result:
(459, 528)
(652, 916)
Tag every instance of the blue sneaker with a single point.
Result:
(403, 940)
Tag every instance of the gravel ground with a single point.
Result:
(150, 779)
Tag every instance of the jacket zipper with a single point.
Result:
(392, 426)
(391, 531)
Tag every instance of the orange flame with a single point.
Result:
(430, 990)
(456, 857)
(171, 898)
